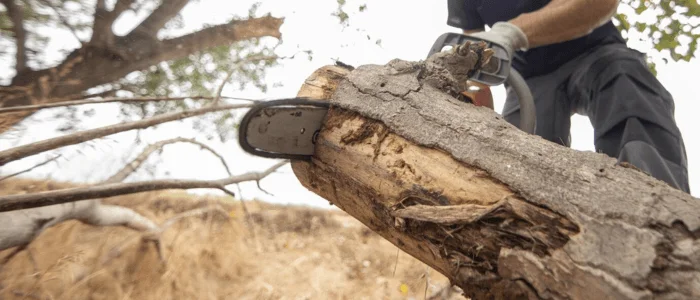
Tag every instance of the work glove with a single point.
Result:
(506, 34)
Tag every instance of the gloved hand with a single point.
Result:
(506, 34)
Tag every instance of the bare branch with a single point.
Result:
(232, 69)
(113, 215)
(154, 235)
(138, 161)
(20, 152)
(17, 16)
(30, 169)
(158, 18)
(102, 34)
(16, 202)
(220, 35)
(246, 213)
(100, 5)
(120, 7)
(111, 92)
(221, 87)
(62, 19)
(84, 101)
(261, 189)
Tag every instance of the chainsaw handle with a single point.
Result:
(528, 114)
(501, 57)
(505, 73)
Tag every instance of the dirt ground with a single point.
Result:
(281, 252)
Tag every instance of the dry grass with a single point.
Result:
(297, 253)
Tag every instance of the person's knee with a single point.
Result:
(648, 159)
(549, 133)
(626, 89)
(649, 147)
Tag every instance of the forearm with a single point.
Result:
(563, 20)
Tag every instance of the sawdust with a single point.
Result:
(298, 253)
(359, 135)
(337, 117)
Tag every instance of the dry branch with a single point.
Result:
(501, 213)
(150, 26)
(62, 18)
(20, 152)
(216, 35)
(84, 101)
(220, 90)
(155, 235)
(102, 34)
(15, 202)
(132, 166)
(21, 227)
(17, 16)
(30, 168)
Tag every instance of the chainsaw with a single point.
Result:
(289, 128)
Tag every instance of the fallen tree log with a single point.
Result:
(502, 213)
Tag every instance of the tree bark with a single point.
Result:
(16, 13)
(502, 213)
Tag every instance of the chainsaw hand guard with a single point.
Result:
(497, 70)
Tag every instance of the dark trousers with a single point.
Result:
(631, 112)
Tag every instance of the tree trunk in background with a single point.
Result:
(500, 212)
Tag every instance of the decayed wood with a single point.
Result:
(500, 212)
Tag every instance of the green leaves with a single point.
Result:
(200, 74)
(341, 14)
(673, 28)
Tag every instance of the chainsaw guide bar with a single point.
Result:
(285, 128)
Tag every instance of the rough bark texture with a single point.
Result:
(502, 213)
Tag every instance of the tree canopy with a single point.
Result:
(671, 27)
(193, 62)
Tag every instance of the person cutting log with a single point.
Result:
(575, 60)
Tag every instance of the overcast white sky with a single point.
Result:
(406, 29)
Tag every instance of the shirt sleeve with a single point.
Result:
(463, 14)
